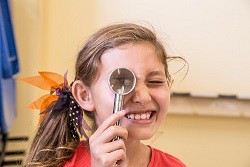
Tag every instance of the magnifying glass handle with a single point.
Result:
(118, 104)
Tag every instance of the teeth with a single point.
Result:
(143, 116)
(139, 116)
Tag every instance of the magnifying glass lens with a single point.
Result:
(122, 79)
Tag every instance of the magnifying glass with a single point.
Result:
(122, 81)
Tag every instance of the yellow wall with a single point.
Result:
(26, 20)
(49, 34)
(66, 24)
(203, 141)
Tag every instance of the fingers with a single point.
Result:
(103, 152)
(113, 131)
(110, 159)
(112, 146)
(110, 121)
(117, 155)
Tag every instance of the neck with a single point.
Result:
(137, 153)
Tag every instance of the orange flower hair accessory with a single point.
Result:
(60, 99)
(47, 81)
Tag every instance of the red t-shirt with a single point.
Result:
(82, 158)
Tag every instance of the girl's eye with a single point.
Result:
(120, 81)
(155, 82)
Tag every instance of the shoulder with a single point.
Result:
(81, 157)
(159, 158)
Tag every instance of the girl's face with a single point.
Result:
(146, 106)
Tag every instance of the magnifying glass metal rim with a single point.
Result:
(134, 83)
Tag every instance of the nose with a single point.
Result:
(141, 94)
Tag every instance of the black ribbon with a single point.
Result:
(65, 96)
(67, 103)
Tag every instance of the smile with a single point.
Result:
(140, 116)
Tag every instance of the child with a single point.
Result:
(130, 46)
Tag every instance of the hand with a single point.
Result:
(103, 152)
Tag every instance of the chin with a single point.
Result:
(140, 136)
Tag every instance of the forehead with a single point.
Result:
(141, 58)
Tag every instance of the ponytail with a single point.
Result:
(62, 123)
(53, 144)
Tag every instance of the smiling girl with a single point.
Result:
(117, 46)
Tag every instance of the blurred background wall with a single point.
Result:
(50, 33)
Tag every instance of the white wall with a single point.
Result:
(213, 36)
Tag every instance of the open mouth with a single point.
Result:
(141, 116)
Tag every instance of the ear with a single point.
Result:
(82, 95)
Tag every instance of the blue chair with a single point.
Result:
(8, 68)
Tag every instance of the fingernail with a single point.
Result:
(123, 112)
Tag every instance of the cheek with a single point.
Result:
(103, 101)
(162, 98)
(102, 113)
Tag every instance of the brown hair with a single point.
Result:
(53, 144)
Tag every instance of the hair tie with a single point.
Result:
(60, 99)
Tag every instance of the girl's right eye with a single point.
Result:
(121, 81)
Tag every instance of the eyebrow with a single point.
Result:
(157, 73)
